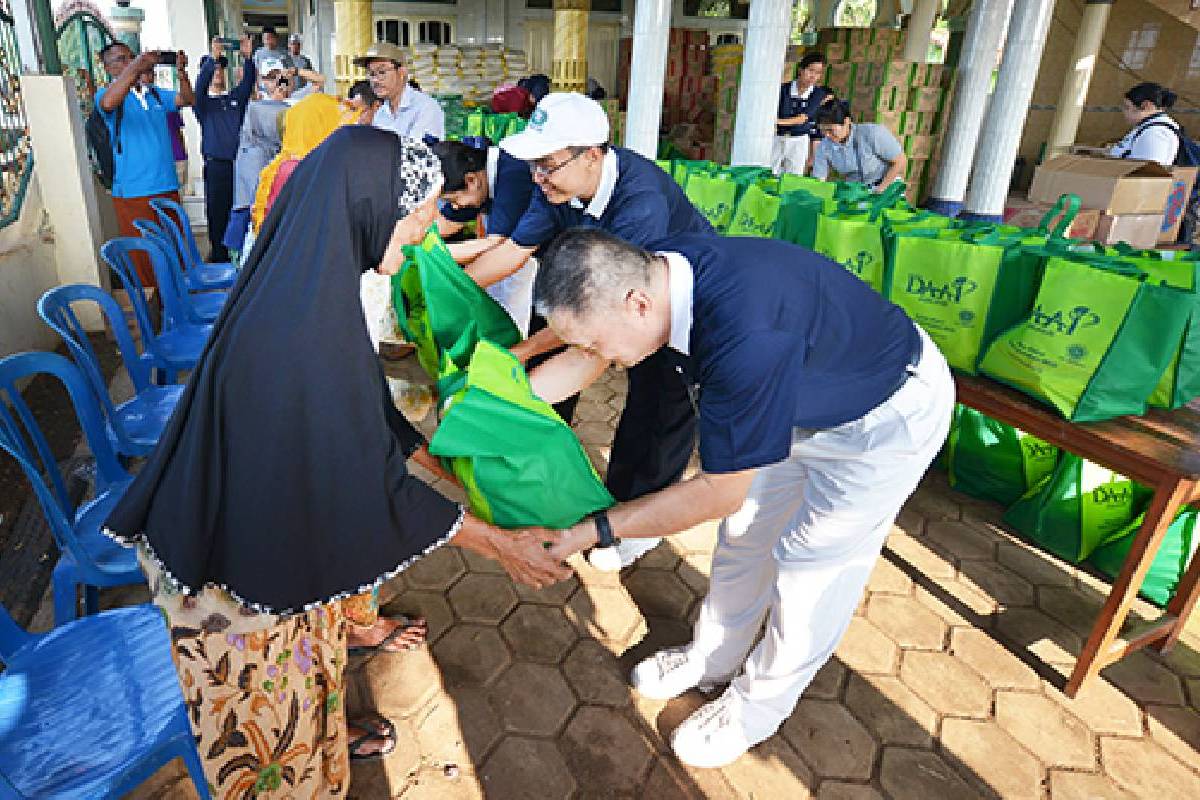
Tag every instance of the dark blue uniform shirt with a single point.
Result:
(783, 338)
(221, 116)
(646, 205)
(508, 198)
(794, 106)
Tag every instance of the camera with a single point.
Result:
(230, 44)
(166, 58)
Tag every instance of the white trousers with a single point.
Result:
(789, 154)
(802, 546)
(515, 293)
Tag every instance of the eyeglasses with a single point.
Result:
(380, 74)
(544, 171)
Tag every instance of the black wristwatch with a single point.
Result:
(604, 531)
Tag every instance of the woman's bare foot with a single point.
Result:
(389, 635)
(371, 738)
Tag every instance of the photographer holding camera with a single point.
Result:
(135, 113)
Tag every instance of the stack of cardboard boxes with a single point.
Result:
(689, 92)
(616, 120)
(907, 98)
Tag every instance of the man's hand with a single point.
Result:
(247, 46)
(525, 557)
(576, 539)
(426, 459)
(181, 61)
(290, 72)
(145, 61)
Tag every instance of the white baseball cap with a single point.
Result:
(562, 119)
(270, 65)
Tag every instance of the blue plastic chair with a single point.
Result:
(179, 344)
(91, 709)
(88, 558)
(201, 275)
(198, 307)
(135, 426)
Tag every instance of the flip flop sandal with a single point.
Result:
(382, 646)
(372, 726)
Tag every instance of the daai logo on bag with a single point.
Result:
(1038, 449)
(537, 120)
(1112, 494)
(1064, 322)
(952, 291)
(748, 223)
(859, 262)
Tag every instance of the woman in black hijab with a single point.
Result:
(280, 485)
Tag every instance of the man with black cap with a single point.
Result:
(406, 111)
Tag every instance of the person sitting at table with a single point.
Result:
(861, 152)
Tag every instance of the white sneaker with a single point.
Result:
(713, 736)
(629, 551)
(667, 674)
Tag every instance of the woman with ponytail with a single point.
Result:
(1155, 136)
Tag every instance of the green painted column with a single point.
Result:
(43, 18)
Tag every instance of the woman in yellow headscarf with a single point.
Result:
(305, 125)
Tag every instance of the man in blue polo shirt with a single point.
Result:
(581, 180)
(220, 114)
(821, 405)
(135, 111)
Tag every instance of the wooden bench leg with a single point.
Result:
(1098, 651)
(1182, 604)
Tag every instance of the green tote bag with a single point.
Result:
(756, 213)
(852, 236)
(988, 459)
(1077, 508)
(436, 301)
(714, 196)
(1177, 550)
(520, 463)
(1095, 343)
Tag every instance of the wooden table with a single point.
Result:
(1160, 450)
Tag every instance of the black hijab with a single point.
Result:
(281, 476)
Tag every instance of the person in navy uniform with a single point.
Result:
(582, 180)
(821, 405)
(799, 100)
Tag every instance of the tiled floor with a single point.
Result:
(523, 694)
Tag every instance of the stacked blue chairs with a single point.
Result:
(200, 275)
(179, 344)
(88, 558)
(134, 426)
(197, 307)
(91, 709)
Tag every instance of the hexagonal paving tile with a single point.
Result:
(438, 570)
(430, 605)
(921, 554)
(830, 740)
(948, 685)
(771, 769)
(1102, 707)
(915, 774)
(526, 768)
(865, 648)
(472, 654)
(1034, 566)
(589, 411)
(889, 579)
(477, 562)
(594, 433)
(957, 603)
(539, 633)
(660, 593)
(554, 595)
(1044, 727)
(993, 661)
(458, 728)
(1176, 730)
(693, 569)
(827, 684)
(604, 748)
(397, 684)
(699, 539)
(373, 778)
(1146, 770)
(891, 710)
(961, 539)
(596, 676)
(1084, 786)
(483, 598)
(992, 758)
(833, 790)
(532, 699)
(1146, 680)
(1046, 638)
(664, 556)
(1000, 583)
(431, 783)
(907, 622)
(607, 613)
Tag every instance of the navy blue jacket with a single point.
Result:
(221, 116)
(793, 107)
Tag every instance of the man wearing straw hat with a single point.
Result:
(406, 110)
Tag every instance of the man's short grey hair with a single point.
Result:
(586, 269)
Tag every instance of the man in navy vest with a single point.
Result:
(581, 180)
(821, 405)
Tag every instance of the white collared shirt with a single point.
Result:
(795, 91)
(418, 115)
(604, 190)
(493, 165)
(680, 281)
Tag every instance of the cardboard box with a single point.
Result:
(860, 36)
(1182, 180)
(926, 122)
(1137, 230)
(841, 74)
(933, 74)
(925, 99)
(1029, 215)
(859, 51)
(890, 120)
(919, 147)
(1115, 186)
(909, 124)
(897, 73)
(835, 52)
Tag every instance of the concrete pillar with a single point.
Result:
(1005, 120)
(920, 29)
(985, 24)
(1075, 87)
(65, 176)
(127, 25)
(355, 32)
(767, 34)
(822, 14)
(651, 40)
(568, 69)
(188, 26)
(889, 13)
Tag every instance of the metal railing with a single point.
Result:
(16, 153)
(81, 34)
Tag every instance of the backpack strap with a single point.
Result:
(1145, 126)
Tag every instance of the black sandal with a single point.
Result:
(382, 646)
(377, 727)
